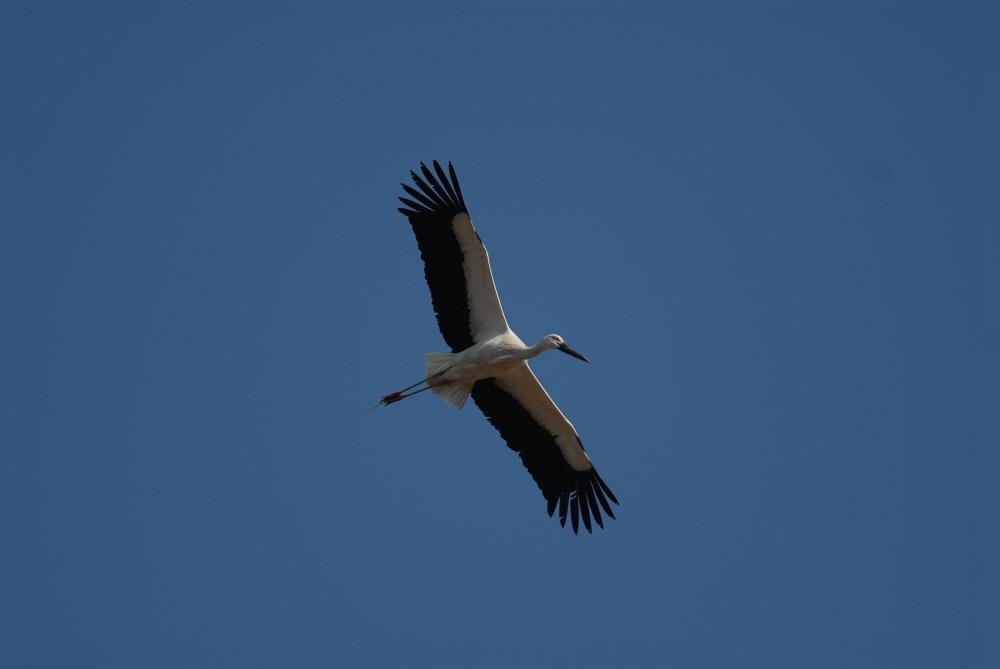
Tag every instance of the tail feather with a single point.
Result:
(455, 392)
(435, 363)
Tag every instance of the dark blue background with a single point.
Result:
(773, 230)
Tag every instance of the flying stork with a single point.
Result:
(487, 359)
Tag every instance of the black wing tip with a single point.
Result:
(579, 495)
(435, 165)
(604, 487)
(584, 511)
(438, 191)
(582, 502)
(412, 208)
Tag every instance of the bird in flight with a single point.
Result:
(487, 360)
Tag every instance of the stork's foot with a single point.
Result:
(391, 397)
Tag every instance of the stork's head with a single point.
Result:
(557, 342)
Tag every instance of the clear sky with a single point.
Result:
(772, 229)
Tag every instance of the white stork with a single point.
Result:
(488, 360)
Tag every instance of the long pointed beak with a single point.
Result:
(568, 351)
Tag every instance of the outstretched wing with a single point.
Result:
(456, 265)
(533, 426)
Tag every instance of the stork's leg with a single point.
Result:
(402, 394)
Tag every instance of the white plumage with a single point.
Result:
(488, 361)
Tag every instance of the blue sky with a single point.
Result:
(772, 229)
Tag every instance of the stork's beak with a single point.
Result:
(568, 351)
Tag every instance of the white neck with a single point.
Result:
(537, 349)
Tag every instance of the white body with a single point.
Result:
(504, 359)
(488, 360)
(493, 357)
